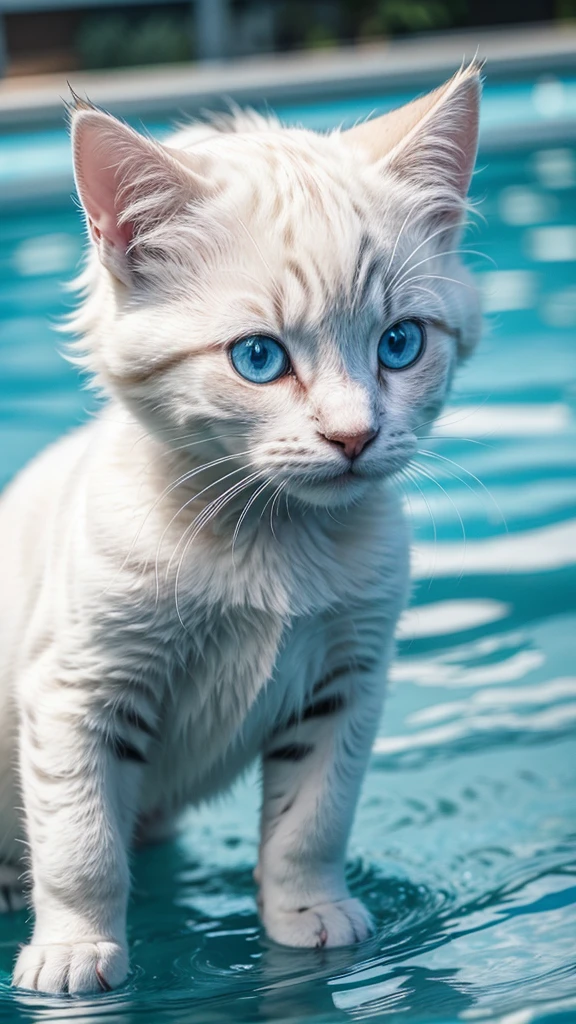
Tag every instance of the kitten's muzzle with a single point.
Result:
(352, 444)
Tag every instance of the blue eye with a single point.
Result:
(259, 359)
(401, 345)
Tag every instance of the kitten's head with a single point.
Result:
(295, 298)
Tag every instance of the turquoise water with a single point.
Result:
(465, 842)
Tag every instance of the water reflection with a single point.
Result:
(551, 547)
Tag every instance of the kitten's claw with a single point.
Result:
(78, 968)
(324, 925)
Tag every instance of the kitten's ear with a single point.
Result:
(431, 142)
(127, 184)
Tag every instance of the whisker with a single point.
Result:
(429, 476)
(168, 448)
(276, 501)
(437, 256)
(432, 519)
(333, 518)
(164, 430)
(451, 412)
(435, 295)
(439, 231)
(398, 236)
(204, 440)
(449, 437)
(179, 437)
(203, 519)
(255, 244)
(271, 498)
(439, 277)
(246, 509)
(442, 458)
(186, 504)
(184, 478)
(203, 512)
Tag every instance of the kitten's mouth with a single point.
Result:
(351, 476)
(345, 477)
(338, 479)
(349, 481)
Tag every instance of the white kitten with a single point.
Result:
(212, 570)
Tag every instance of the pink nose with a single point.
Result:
(352, 444)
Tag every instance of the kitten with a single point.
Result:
(211, 571)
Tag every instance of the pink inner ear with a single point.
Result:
(105, 225)
(97, 158)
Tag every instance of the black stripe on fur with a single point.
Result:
(327, 706)
(126, 751)
(290, 752)
(343, 670)
(132, 718)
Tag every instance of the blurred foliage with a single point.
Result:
(319, 37)
(328, 22)
(163, 33)
(111, 40)
(321, 23)
(309, 24)
(392, 17)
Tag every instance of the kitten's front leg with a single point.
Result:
(313, 769)
(79, 779)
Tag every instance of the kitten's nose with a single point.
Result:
(352, 444)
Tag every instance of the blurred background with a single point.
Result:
(465, 842)
(68, 35)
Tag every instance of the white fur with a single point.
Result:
(155, 639)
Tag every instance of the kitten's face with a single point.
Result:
(263, 318)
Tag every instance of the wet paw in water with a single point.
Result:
(76, 968)
(324, 925)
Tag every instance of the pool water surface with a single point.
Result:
(464, 845)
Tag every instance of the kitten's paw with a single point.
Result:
(11, 892)
(326, 924)
(77, 968)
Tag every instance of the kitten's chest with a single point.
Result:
(248, 637)
(220, 695)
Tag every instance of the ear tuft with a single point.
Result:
(76, 102)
